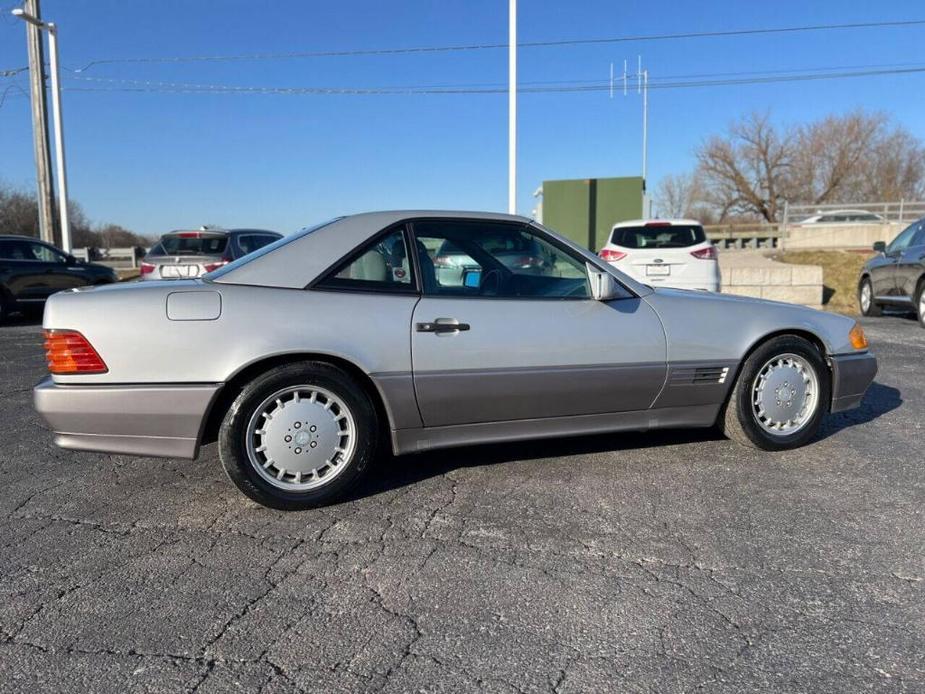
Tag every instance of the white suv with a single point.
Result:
(664, 253)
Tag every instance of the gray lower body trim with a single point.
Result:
(397, 391)
(852, 374)
(415, 440)
(155, 420)
(149, 446)
(470, 396)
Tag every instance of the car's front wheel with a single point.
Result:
(868, 306)
(780, 396)
(299, 436)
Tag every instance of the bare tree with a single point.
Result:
(854, 158)
(19, 215)
(831, 156)
(678, 195)
(896, 168)
(746, 172)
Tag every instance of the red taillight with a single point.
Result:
(658, 224)
(189, 235)
(69, 352)
(708, 253)
(209, 267)
(146, 268)
(611, 256)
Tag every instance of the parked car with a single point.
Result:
(454, 267)
(843, 217)
(664, 253)
(189, 254)
(895, 277)
(307, 356)
(32, 270)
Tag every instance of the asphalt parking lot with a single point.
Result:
(672, 561)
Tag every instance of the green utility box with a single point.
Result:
(585, 209)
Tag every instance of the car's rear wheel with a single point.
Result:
(299, 436)
(868, 306)
(780, 396)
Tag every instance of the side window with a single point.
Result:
(12, 250)
(919, 238)
(381, 266)
(45, 254)
(251, 242)
(496, 259)
(901, 242)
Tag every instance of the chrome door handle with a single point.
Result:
(442, 325)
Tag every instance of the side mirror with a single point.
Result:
(71, 260)
(603, 286)
(880, 246)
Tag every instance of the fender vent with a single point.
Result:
(697, 376)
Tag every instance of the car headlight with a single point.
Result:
(857, 337)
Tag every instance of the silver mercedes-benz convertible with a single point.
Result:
(420, 330)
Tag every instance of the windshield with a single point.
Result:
(190, 245)
(674, 236)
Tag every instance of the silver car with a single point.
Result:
(192, 253)
(306, 358)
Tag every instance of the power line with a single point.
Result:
(717, 79)
(493, 46)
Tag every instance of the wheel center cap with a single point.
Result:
(302, 438)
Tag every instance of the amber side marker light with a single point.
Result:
(857, 337)
(69, 352)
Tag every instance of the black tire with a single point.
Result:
(920, 302)
(874, 308)
(236, 455)
(739, 420)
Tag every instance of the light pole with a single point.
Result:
(512, 109)
(56, 111)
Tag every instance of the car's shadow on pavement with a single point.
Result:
(878, 400)
(396, 472)
(22, 319)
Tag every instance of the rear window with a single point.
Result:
(251, 242)
(181, 245)
(675, 236)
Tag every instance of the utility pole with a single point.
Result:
(52, 30)
(42, 150)
(512, 109)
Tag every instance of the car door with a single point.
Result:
(911, 263)
(28, 277)
(883, 274)
(523, 339)
(61, 272)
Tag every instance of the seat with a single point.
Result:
(428, 272)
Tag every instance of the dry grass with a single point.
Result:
(840, 271)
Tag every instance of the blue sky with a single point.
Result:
(157, 161)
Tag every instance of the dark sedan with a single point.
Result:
(31, 271)
(895, 277)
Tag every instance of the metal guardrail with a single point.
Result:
(118, 258)
(901, 211)
(738, 236)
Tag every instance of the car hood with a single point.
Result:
(696, 322)
(724, 298)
